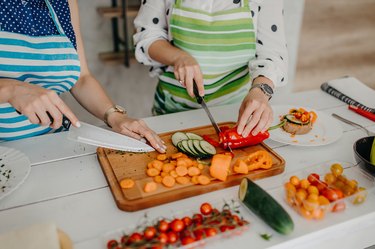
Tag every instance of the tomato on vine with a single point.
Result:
(206, 208)
(177, 225)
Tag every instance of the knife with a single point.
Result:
(93, 135)
(201, 101)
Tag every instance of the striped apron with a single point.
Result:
(47, 61)
(222, 43)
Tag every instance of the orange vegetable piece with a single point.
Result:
(162, 174)
(260, 159)
(152, 172)
(181, 170)
(194, 171)
(220, 166)
(150, 187)
(313, 116)
(177, 155)
(168, 181)
(158, 179)
(195, 164)
(240, 167)
(161, 157)
(182, 180)
(200, 166)
(150, 165)
(204, 180)
(173, 173)
(157, 164)
(194, 179)
(168, 167)
(127, 183)
(185, 162)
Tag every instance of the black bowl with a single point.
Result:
(362, 150)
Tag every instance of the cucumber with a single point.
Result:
(185, 146)
(198, 148)
(372, 153)
(177, 137)
(192, 148)
(193, 136)
(265, 207)
(207, 147)
(291, 119)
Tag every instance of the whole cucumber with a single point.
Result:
(372, 154)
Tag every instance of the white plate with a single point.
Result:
(325, 130)
(14, 169)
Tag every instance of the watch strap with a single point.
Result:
(115, 108)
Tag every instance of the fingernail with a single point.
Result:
(162, 141)
(78, 124)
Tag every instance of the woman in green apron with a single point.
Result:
(42, 56)
(234, 50)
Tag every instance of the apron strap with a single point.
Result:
(245, 3)
(54, 18)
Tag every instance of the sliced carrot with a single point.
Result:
(161, 157)
(173, 173)
(240, 167)
(194, 171)
(181, 170)
(150, 187)
(186, 162)
(157, 164)
(183, 180)
(168, 181)
(163, 174)
(177, 155)
(204, 180)
(150, 165)
(158, 179)
(194, 179)
(200, 166)
(195, 163)
(152, 172)
(127, 183)
(168, 167)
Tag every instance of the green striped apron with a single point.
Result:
(222, 43)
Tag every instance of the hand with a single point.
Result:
(255, 113)
(136, 129)
(187, 70)
(40, 104)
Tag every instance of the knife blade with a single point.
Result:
(201, 101)
(93, 135)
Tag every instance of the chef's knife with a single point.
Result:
(201, 101)
(90, 134)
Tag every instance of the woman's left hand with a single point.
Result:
(137, 129)
(255, 113)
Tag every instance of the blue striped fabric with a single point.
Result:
(50, 62)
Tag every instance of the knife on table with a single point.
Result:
(201, 101)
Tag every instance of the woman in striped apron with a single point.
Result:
(41, 57)
(234, 50)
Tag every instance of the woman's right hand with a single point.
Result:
(36, 103)
(187, 70)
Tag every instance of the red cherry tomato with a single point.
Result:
(163, 226)
(206, 208)
(163, 238)
(187, 221)
(199, 234)
(172, 237)
(330, 194)
(135, 237)
(339, 193)
(197, 219)
(210, 232)
(313, 178)
(124, 239)
(149, 233)
(320, 185)
(112, 244)
(338, 207)
(177, 225)
(187, 240)
(215, 212)
(223, 228)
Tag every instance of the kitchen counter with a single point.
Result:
(66, 186)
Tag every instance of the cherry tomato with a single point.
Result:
(224, 228)
(313, 178)
(163, 238)
(124, 239)
(321, 186)
(135, 237)
(210, 232)
(227, 212)
(187, 240)
(172, 237)
(149, 233)
(339, 193)
(163, 226)
(177, 225)
(197, 219)
(206, 208)
(187, 221)
(330, 194)
(339, 206)
(336, 169)
(215, 212)
(112, 244)
(199, 234)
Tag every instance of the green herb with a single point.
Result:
(266, 236)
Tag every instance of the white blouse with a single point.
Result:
(152, 23)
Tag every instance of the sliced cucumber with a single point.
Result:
(186, 148)
(198, 147)
(290, 118)
(207, 147)
(177, 137)
(193, 136)
(192, 148)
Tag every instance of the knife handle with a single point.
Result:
(196, 93)
(65, 121)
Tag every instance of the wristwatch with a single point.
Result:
(115, 108)
(266, 89)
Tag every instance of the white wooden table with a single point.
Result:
(66, 186)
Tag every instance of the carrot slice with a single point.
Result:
(183, 180)
(152, 172)
(127, 183)
(168, 181)
(194, 171)
(158, 179)
(181, 170)
(173, 173)
(200, 166)
(204, 180)
(163, 174)
(161, 157)
(168, 167)
(177, 155)
(194, 179)
(150, 187)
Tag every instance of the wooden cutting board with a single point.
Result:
(118, 165)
